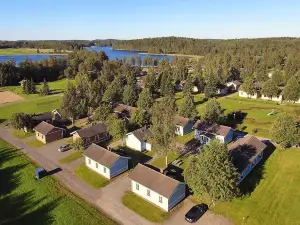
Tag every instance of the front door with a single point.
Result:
(143, 147)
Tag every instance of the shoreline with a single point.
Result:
(48, 54)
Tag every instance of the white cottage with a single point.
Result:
(246, 95)
(234, 85)
(183, 125)
(105, 162)
(157, 188)
(278, 98)
(246, 153)
(140, 139)
(206, 131)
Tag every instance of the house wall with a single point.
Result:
(148, 146)
(93, 165)
(94, 139)
(40, 137)
(132, 142)
(274, 98)
(202, 138)
(245, 95)
(119, 166)
(177, 195)
(153, 198)
(179, 130)
(54, 135)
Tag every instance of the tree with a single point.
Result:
(21, 120)
(211, 86)
(188, 108)
(114, 92)
(145, 100)
(188, 86)
(277, 77)
(130, 95)
(102, 112)
(140, 117)
(138, 61)
(291, 91)
(45, 90)
(29, 87)
(284, 130)
(212, 111)
(116, 127)
(78, 145)
(269, 88)
(212, 173)
(249, 86)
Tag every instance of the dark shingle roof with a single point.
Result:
(44, 128)
(92, 130)
(143, 134)
(43, 116)
(180, 121)
(212, 128)
(245, 150)
(154, 180)
(101, 155)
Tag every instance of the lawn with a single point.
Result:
(71, 158)
(144, 208)
(185, 138)
(24, 51)
(56, 87)
(90, 177)
(38, 105)
(275, 199)
(21, 135)
(160, 162)
(27, 201)
(35, 143)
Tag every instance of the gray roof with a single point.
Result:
(154, 180)
(101, 155)
(180, 121)
(212, 128)
(92, 130)
(143, 134)
(44, 128)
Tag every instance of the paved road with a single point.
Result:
(108, 199)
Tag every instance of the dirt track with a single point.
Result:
(6, 96)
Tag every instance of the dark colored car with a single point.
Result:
(195, 213)
(40, 173)
(64, 148)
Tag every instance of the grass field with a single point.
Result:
(56, 87)
(25, 200)
(24, 51)
(90, 177)
(160, 162)
(185, 138)
(275, 199)
(39, 105)
(21, 135)
(144, 208)
(71, 158)
(35, 143)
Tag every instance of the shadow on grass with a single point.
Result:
(235, 118)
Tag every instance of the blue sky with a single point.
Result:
(129, 19)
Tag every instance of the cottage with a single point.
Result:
(57, 115)
(195, 89)
(94, 134)
(206, 131)
(46, 117)
(183, 125)
(278, 98)
(105, 162)
(157, 188)
(233, 85)
(246, 95)
(140, 139)
(246, 153)
(222, 90)
(46, 132)
(124, 111)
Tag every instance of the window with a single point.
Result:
(160, 199)
(137, 187)
(97, 165)
(42, 136)
(97, 137)
(148, 192)
(38, 134)
(89, 161)
(104, 169)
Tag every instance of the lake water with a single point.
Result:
(112, 54)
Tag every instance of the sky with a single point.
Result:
(131, 19)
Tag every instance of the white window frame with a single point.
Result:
(96, 165)
(148, 193)
(104, 169)
(89, 161)
(160, 199)
(137, 186)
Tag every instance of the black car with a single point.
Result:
(64, 148)
(195, 213)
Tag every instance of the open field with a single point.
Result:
(39, 105)
(275, 198)
(25, 200)
(56, 87)
(7, 96)
(25, 51)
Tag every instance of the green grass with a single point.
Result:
(56, 87)
(25, 200)
(275, 198)
(21, 135)
(144, 208)
(38, 105)
(90, 177)
(185, 138)
(35, 143)
(71, 158)
(160, 162)
(25, 51)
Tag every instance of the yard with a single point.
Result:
(25, 200)
(35, 143)
(160, 162)
(70, 158)
(90, 177)
(21, 135)
(144, 208)
(275, 198)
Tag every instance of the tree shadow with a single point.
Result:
(235, 118)
(200, 101)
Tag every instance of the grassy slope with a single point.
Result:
(45, 201)
(71, 158)
(90, 177)
(38, 105)
(24, 51)
(275, 199)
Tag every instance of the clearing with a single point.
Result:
(7, 96)
(25, 51)
(35, 202)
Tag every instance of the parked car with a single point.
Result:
(64, 148)
(195, 213)
(40, 173)
(121, 152)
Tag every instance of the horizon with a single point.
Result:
(72, 20)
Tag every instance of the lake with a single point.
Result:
(112, 54)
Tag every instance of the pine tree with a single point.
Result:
(145, 100)
(291, 91)
(188, 108)
(188, 86)
(249, 86)
(212, 111)
(32, 87)
(45, 90)
(270, 89)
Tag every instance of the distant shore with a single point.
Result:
(29, 51)
(55, 54)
